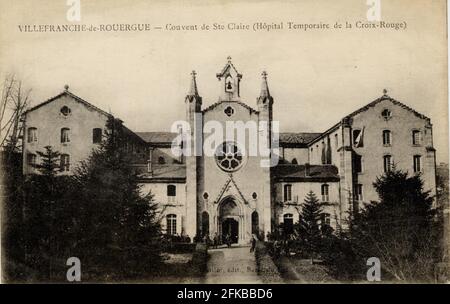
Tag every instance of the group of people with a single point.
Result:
(216, 241)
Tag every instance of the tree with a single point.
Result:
(309, 226)
(400, 229)
(116, 224)
(13, 102)
(46, 214)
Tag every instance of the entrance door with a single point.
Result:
(231, 227)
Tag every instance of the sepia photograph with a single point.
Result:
(224, 142)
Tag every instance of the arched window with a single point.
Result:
(294, 161)
(287, 192)
(32, 135)
(325, 192)
(255, 223)
(387, 138)
(288, 223)
(387, 163)
(64, 162)
(161, 160)
(171, 224)
(205, 223)
(171, 192)
(65, 135)
(96, 135)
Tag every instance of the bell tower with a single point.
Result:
(229, 82)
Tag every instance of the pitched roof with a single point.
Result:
(165, 173)
(228, 65)
(297, 138)
(157, 137)
(222, 101)
(297, 173)
(386, 97)
(68, 93)
(371, 105)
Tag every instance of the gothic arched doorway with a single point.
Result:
(229, 218)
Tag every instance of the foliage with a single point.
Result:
(112, 213)
(309, 227)
(99, 214)
(401, 229)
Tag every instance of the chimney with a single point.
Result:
(307, 169)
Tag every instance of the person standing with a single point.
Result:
(253, 243)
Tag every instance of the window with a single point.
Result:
(205, 223)
(359, 192)
(254, 195)
(229, 157)
(65, 135)
(161, 160)
(64, 162)
(387, 163)
(31, 159)
(255, 223)
(357, 163)
(326, 219)
(65, 110)
(287, 193)
(416, 137)
(171, 192)
(336, 141)
(205, 196)
(97, 135)
(228, 111)
(171, 224)
(294, 161)
(325, 193)
(417, 163)
(288, 223)
(357, 138)
(32, 135)
(386, 114)
(386, 138)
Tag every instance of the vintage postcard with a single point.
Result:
(251, 141)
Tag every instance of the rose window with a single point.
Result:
(229, 157)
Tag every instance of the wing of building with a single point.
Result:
(230, 192)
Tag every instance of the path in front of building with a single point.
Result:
(231, 265)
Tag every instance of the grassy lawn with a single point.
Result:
(296, 270)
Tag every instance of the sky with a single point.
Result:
(316, 77)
